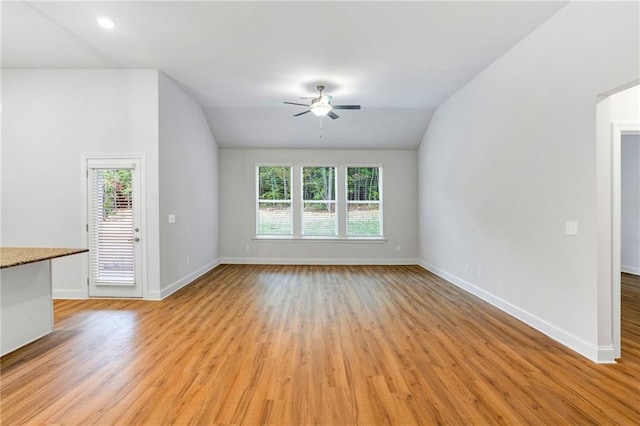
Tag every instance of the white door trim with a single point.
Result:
(84, 202)
(617, 131)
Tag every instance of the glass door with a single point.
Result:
(114, 228)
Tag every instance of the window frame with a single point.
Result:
(341, 204)
(380, 201)
(302, 201)
(258, 201)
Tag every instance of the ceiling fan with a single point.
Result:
(321, 106)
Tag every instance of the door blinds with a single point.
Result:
(111, 225)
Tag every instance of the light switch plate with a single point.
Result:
(172, 218)
(571, 228)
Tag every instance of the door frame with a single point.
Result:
(618, 130)
(84, 211)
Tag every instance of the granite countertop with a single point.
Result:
(14, 256)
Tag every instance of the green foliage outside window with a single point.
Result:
(362, 184)
(319, 185)
(116, 187)
(274, 183)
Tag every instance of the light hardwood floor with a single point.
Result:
(335, 345)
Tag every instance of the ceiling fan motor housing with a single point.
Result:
(322, 100)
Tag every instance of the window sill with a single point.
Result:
(273, 239)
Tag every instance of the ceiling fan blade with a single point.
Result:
(346, 106)
(298, 115)
(293, 103)
(333, 115)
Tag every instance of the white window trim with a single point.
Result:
(310, 239)
(380, 201)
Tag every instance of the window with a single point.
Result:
(364, 213)
(274, 200)
(319, 201)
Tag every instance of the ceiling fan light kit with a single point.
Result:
(321, 106)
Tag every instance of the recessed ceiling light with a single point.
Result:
(106, 23)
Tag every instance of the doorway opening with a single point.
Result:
(618, 114)
(626, 224)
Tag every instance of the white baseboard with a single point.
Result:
(315, 261)
(605, 355)
(600, 354)
(630, 269)
(182, 282)
(68, 293)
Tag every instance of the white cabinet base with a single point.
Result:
(26, 307)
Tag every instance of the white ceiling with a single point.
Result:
(241, 60)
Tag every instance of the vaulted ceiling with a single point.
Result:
(240, 60)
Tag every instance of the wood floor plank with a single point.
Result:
(299, 345)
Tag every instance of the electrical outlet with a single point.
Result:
(398, 248)
(188, 260)
(571, 227)
(466, 266)
(247, 247)
(171, 218)
(479, 271)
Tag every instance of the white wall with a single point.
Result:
(50, 118)
(630, 204)
(512, 156)
(188, 190)
(237, 209)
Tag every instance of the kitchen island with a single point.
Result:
(26, 295)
